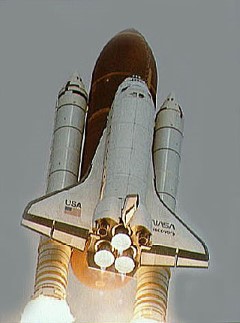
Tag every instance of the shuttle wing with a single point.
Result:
(173, 242)
(66, 215)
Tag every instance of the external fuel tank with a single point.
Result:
(126, 54)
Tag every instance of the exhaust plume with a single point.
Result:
(46, 309)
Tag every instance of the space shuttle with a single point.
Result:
(114, 214)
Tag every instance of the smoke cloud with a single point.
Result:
(46, 309)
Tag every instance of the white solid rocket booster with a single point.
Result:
(167, 150)
(152, 283)
(53, 257)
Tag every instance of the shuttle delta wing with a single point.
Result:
(66, 215)
(173, 243)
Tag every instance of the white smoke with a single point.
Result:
(146, 320)
(46, 309)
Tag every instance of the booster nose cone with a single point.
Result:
(75, 77)
(171, 97)
(74, 83)
(171, 103)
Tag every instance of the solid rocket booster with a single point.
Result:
(68, 134)
(153, 283)
(53, 257)
(167, 150)
(151, 294)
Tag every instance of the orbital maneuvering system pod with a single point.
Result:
(117, 218)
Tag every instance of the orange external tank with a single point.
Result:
(126, 54)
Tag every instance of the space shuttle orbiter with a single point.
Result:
(109, 207)
(115, 213)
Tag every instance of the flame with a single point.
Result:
(46, 309)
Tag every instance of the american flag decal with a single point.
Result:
(76, 211)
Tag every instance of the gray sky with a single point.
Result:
(197, 49)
